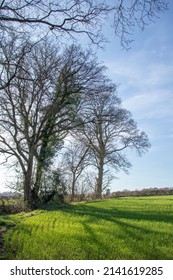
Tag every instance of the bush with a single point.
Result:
(12, 206)
(53, 188)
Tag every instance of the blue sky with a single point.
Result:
(145, 75)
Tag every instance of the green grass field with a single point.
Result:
(121, 228)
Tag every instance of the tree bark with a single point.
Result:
(28, 182)
(73, 186)
(38, 179)
(100, 179)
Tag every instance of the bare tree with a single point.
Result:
(111, 131)
(40, 106)
(75, 159)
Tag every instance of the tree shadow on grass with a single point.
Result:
(114, 213)
(130, 234)
(142, 242)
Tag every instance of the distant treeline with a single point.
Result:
(7, 197)
(143, 192)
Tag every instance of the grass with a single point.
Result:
(124, 228)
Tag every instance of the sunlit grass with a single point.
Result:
(124, 228)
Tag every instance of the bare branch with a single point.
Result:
(71, 18)
(110, 131)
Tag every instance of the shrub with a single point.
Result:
(12, 206)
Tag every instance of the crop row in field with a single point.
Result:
(124, 228)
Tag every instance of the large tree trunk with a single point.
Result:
(28, 183)
(43, 156)
(99, 179)
(73, 187)
(38, 178)
(27, 190)
(29, 196)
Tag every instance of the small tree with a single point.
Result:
(75, 159)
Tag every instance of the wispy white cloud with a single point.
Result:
(151, 105)
(146, 84)
(145, 75)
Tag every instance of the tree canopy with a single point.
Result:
(40, 106)
(71, 18)
(109, 132)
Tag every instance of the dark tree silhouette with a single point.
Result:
(41, 105)
(109, 132)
